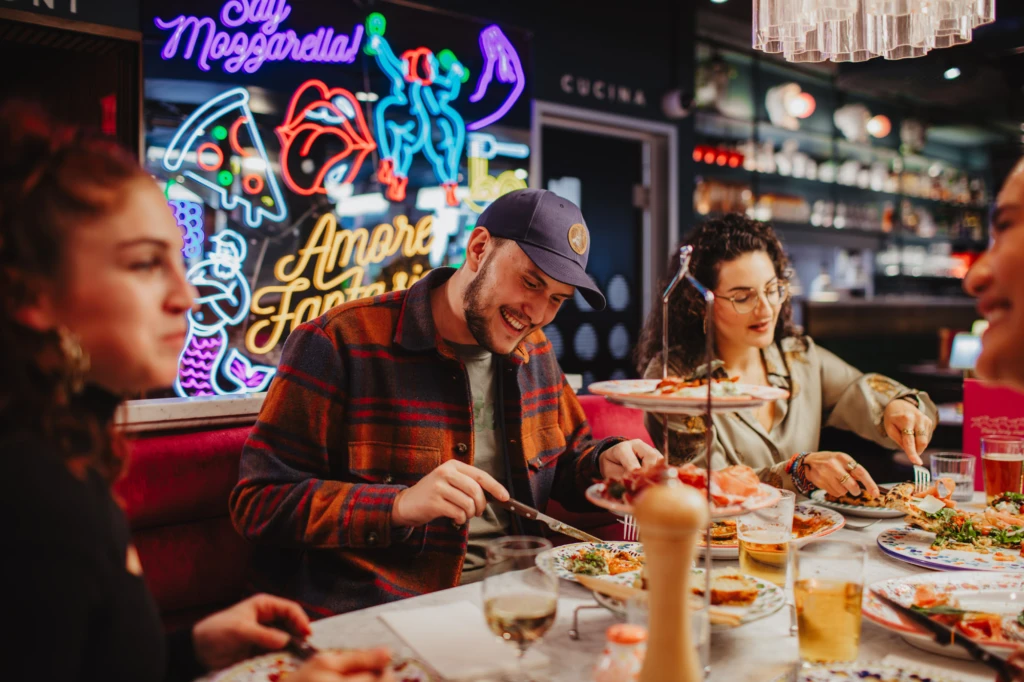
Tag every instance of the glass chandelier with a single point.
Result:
(858, 30)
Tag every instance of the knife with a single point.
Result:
(551, 522)
(947, 635)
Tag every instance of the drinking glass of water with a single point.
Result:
(520, 601)
(960, 468)
(637, 613)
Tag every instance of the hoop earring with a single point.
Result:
(75, 361)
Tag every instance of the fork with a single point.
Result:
(630, 531)
(922, 478)
(859, 526)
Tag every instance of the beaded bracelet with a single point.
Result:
(789, 464)
(800, 482)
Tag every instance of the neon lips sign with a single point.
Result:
(242, 51)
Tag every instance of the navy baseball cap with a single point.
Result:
(551, 231)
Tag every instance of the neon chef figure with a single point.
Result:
(423, 87)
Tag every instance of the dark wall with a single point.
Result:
(116, 13)
(636, 45)
(645, 45)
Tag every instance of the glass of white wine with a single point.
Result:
(520, 601)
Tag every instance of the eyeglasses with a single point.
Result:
(746, 300)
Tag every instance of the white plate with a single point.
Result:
(913, 546)
(732, 549)
(635, 393)
(557, 557)
(278, 665)
(859, 673)
(769, 600)
(856, 510)
(766, 496)
(986, 592)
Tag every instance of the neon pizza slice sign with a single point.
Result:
(242, 51)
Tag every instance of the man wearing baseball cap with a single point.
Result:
(391, 421)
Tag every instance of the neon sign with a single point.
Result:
(423, 87)
(189, 216)
(225, 119)
(351, 251)
(501, 60)
(333, 112)
(241, 51)
(484, 187)
(206, 364)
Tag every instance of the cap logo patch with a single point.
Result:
(579, 238)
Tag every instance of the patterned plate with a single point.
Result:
(558, 559)
(276, 667)
(769, 600)
(857, 673)
(914, 546)
(636, 393)
(984, 592)
(766, 496)
(731, 550)
(857, 510)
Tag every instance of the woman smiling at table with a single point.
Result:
(94, 298)
(743, 262)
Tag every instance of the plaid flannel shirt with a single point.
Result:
(368, 399)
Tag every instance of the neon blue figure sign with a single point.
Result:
(206, 366)
(423, 87)
(250, 184)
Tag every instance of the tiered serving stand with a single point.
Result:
(639, 395)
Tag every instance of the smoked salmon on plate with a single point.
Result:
(734, 490)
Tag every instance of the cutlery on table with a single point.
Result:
(947, 635)
(554, 524)
(300, 649)
(860, 526)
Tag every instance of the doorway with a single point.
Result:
(619, 170)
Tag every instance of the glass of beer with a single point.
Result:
(828, 579)
(1002, 464)
(765, 536)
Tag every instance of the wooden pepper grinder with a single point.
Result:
(670, 516)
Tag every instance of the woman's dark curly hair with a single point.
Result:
(716, 241)
(53, 179)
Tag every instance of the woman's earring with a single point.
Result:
(75, 361)
(705, 326)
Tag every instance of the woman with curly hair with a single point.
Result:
(93, 299)
(742, 262)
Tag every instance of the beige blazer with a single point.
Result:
(824, 391)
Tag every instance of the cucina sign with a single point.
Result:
(602, 90)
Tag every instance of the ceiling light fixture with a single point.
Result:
(951, 73)
(858, 30)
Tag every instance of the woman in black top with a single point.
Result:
(94, 297)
